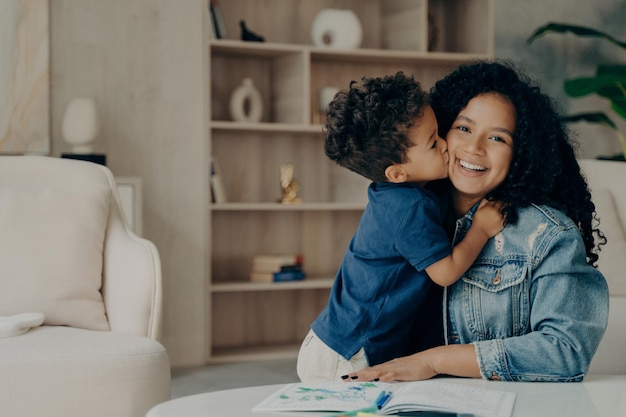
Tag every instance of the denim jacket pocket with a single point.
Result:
(495, 277)
(497, 303)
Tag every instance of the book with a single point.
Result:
(211, 23)
(218, 19)
(276, 263)
(218, 195)
(431, 395)
(288, 274)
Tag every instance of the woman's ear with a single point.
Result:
(396, 173)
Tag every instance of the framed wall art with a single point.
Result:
(24, 77)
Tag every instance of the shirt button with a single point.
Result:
(496, 280)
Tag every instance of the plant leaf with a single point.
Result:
(610, 87)
(575, 29)
(619, 107)
(598, 117)
(611, 70)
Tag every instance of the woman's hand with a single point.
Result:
(456, 360)
(408, 368)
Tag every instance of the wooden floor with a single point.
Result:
(191, 381)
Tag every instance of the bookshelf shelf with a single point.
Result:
(264, 320)
(308, 283)
(221, 125)
(288, 207)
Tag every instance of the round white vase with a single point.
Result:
(337, 29)
(245, 103)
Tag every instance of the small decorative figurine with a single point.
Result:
(289, 185)
(248, 35)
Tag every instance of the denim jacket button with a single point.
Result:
(494, 376)
(497, 279)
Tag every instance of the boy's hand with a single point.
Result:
(489, 217)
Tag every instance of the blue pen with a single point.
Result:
(380, 397)
(380, 403)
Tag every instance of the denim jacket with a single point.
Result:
(531, 306)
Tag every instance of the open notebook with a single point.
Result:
(405, 396)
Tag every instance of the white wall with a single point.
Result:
(143, 61)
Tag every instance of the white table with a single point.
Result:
(597, 396)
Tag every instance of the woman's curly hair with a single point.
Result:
(544, 169)
(366, 125)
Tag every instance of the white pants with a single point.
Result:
(318, 362)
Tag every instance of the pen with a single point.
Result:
(381, 401)
(380, 398)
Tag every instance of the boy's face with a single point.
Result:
(427, 159)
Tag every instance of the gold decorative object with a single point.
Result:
(289, 185)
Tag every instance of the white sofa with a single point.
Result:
(67, 255)
(607, 180)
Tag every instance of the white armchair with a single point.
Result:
(66, 252)
(607, 182)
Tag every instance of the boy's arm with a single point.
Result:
(488, 221)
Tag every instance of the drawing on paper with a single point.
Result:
(349, 394)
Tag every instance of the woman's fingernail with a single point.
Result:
(344, 376)
(354, 377)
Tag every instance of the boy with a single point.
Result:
(386, 131)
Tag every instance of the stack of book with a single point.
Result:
(277, 268)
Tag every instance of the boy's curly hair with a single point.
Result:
(366, 125)
(544, 169)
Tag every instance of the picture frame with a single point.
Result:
(24, 77)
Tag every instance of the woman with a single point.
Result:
(532, 307)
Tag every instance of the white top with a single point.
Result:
(597, 396)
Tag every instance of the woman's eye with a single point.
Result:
(463, 128)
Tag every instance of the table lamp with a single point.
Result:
(80, 128)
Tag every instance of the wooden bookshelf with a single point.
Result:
(258, 320)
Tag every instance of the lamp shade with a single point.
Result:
(80, 124)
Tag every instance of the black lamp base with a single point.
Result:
(96, 158)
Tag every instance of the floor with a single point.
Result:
(190, 381)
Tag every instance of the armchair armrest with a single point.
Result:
(131, 282)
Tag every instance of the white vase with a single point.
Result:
(327, 94)
(80, 125)
(337, 29)
(245, 103)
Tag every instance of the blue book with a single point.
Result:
(296, 274)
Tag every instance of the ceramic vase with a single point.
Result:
(337, 29)
(245, 103)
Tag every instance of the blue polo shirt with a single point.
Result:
(381, 282)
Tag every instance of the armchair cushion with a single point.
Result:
(615, 250)
(66, 251)
(605, 179)
(52, 233)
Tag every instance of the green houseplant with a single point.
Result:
(608, 82)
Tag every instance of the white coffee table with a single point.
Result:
(598, 396)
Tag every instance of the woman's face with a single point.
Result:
(480, 145)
